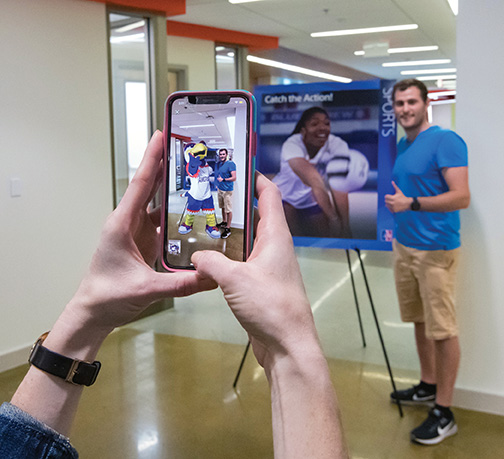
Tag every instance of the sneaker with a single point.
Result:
(184, 229)
(213, 232)
(415, 395)
(434, 429)
(226, 233)
(221, 225)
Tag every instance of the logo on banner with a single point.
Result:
(387, 235)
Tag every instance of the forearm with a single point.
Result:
(49, 398)
(445, 202)
(323, 200)
(305, 413)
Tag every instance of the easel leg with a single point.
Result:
(379, 333)
(355, 297)
(241, 365)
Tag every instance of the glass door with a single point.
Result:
(131, 95)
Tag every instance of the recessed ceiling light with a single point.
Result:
(296, 69)
(128, 27)
(412, 49)
(426, 62)
(338, 33)
(427, 72)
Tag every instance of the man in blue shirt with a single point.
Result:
(430, 180)
(225, 171)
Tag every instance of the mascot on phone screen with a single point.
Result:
(199, 196)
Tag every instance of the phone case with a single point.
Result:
(171, 246)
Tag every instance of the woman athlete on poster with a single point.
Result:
(317, 170)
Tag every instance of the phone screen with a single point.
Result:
(208, 183)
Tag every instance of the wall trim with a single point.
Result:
(14, 358)
(478, 401)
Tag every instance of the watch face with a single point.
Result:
(415, 205)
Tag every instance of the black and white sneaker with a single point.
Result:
(226, 233)
(416, 395)
(434, 429)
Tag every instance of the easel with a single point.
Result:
(360, 325)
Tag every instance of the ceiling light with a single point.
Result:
(338, 33)
(129, 27)
(426, 62)
(454, 6)
(437, 77)
(295, 68)
(412, 49)
(427, 72)
(195, 125)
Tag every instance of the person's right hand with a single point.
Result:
(266, 293)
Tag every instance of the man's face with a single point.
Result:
(409, 108)
(222, 155)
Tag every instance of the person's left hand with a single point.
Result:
(397, 202)
(121, 281)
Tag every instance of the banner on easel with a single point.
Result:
(330, 148)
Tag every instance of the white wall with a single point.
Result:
(54, 137)
(480, 97)
(199, 58)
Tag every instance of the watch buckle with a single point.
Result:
(72, 372)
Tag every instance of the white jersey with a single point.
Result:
(293, 190)
(200, 185)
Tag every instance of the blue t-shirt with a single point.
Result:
(224, 170)
(418, 172)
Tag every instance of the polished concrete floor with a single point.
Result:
(165, 390)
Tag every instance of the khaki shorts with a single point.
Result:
(225, 200)
(425, 284)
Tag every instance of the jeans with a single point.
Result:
(24, 437)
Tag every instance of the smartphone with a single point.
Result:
(209, 163)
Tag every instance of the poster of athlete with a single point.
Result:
(330, 148)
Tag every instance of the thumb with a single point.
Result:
(213, 265)
(396, 188)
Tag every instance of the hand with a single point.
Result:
(266, 293)
(120, 282)
(397, 202)
(219, 179)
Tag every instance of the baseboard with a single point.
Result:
(15, 358)
(479, 401)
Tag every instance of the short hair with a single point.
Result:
(306, 116)
(224, 149)
(408, 83)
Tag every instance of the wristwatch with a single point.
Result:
(415, 205)
(74, 371)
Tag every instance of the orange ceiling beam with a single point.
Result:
(166, 7)
(251, 40)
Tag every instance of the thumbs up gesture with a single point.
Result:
(397, 202)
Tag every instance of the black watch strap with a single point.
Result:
(415, 205)
(73, 371)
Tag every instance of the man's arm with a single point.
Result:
(268, 298)
(457, 197)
